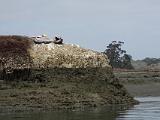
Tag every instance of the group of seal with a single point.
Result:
(44, 39)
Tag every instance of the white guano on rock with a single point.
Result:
(66, 56)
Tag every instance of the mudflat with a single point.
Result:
(140, 83)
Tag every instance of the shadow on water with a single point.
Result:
(104, 113)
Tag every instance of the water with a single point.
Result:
(148, 109)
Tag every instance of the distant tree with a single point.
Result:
(114, 53)
(126, 61)
(117, 56)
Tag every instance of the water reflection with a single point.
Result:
(105, 113)
(148, 109)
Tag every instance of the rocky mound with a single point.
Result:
(66, 76)
(21, 53)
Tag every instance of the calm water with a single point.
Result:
(148, 109)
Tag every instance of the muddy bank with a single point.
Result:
(143, 90)
(65, 89)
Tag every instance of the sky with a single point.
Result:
(92, 24)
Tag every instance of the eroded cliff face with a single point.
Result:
(69, 75)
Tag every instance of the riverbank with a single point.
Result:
(140, 83)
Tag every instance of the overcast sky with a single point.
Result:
(90, 23)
